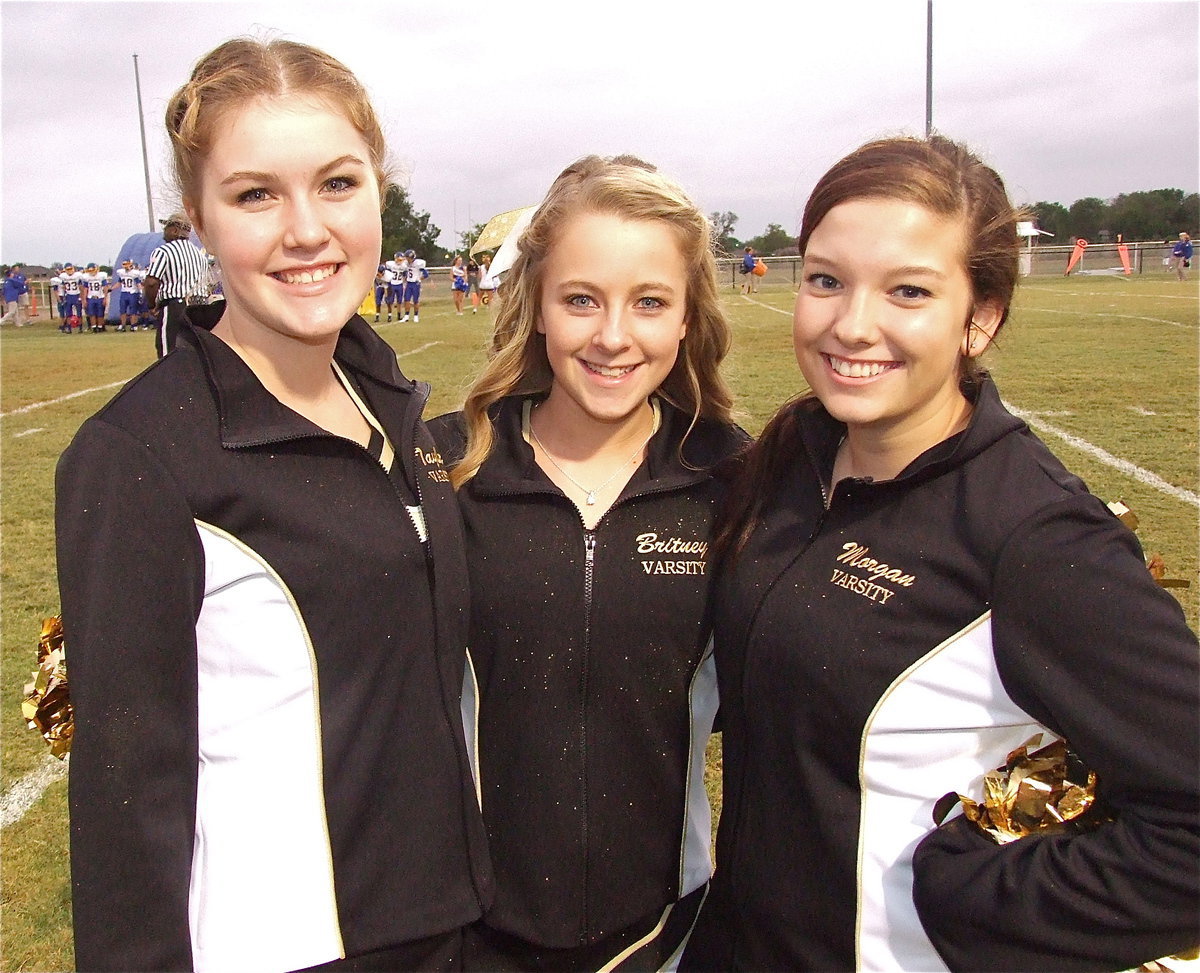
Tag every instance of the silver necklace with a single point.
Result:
(590, 491)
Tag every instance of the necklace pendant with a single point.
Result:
(591, 498)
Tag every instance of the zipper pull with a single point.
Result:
(589, 546)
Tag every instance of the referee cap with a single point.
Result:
(178, 219)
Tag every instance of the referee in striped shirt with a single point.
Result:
(176, 277)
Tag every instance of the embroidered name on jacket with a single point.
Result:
(872, 578)
(651, 543)
(431, 459)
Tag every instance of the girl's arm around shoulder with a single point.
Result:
(131, 579)
(1087, 643)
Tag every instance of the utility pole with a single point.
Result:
(928, 67)
(137, 83)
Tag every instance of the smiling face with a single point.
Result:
(613, 302)
(289, 204)
(881, 321)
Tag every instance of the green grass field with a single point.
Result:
(1109, 361)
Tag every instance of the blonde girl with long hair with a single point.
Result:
(584, 461)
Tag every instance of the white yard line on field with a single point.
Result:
(777, 310)
(112, 385)
(1126, 467)
(1139, 474)
(1106, 314)
(25, 792)
(428, 344)
(61, 398)
(1034, 288)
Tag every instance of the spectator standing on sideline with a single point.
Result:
(176, 273)
(1181, 256)
(95, 283)
(14, 287)
(458, 284)
(487, 284)
(750, 284)
(473, 283)
(23, 299)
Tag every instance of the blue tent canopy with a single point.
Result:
(138, 248)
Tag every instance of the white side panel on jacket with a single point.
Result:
(262, 873)
(696, 860)
(919, 744)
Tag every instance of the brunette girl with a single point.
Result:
(914, 587)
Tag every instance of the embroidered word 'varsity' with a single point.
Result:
(861, 586)
(649, 543)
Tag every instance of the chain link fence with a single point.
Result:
(1039, 261)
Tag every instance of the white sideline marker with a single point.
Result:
(25, 792)
(112, 385)
(1106, 314)
(1130, 469)
(62, 398)
(428, 344)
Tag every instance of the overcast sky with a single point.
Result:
(746, 104)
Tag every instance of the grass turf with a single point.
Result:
(1111, 361)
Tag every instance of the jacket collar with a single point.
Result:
(511, 467)
(990, 421)
(249, 415)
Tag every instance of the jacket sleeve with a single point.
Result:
(131, 575)
(1088, 644)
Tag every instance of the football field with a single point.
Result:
(1104, 368)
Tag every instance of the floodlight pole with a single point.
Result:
(928, 67)
(137, 83)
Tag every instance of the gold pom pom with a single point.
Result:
(47, 703)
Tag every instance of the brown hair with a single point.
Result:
(240, 70)
(624, 186)
(942, 176)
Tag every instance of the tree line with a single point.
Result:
(1160, 214)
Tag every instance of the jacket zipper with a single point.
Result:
(589, 567)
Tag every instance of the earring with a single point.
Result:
(971, 341)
